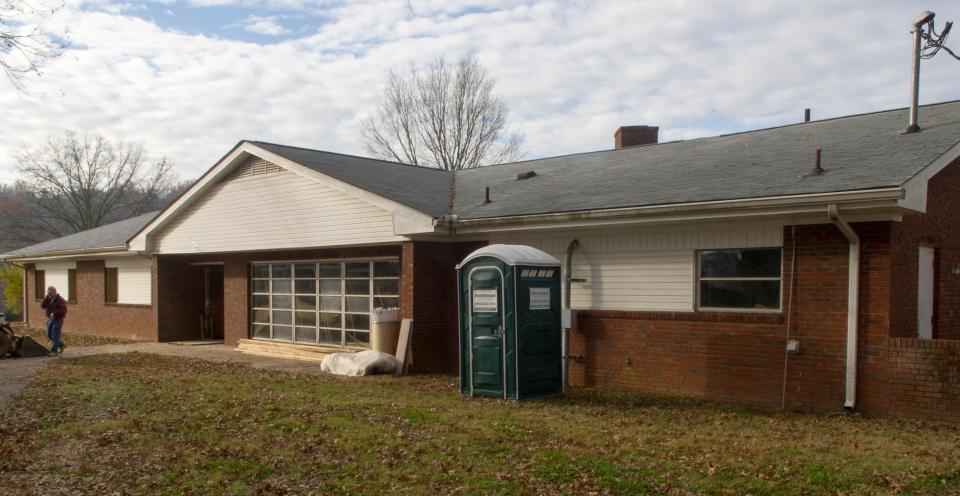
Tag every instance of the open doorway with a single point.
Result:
(212, 324)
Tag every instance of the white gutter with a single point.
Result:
(70, 254)
(24, 303)
(813, 202)
(853, 304)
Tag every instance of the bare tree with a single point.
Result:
(78, 182)
(24, 45)
(442, 116)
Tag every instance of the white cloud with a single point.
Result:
(266, 25)
(571, 71)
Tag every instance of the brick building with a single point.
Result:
(814, 266)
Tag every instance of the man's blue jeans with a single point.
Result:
(54, 326)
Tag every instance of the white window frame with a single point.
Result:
(697, 278)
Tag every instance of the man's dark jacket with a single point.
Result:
(56, 307)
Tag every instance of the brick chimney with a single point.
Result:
(635, 136)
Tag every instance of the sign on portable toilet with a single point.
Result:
(509, 307)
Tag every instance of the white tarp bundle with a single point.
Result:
(365, 362)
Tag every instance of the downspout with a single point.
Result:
(786, 341)
(23, 303)
(565, 338)
(853, 296)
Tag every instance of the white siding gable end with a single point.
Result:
(260, 206)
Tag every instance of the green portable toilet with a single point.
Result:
(509, 305)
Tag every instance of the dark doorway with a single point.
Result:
(213, 302)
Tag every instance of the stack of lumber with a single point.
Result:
(311, 353)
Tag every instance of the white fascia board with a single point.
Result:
(412, 220)
(879, 204)
(94, 254)
(915, 189)
(405, 224)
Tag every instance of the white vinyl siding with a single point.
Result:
(642, 268)
(274, 210)
(134, 280)
(55, 274)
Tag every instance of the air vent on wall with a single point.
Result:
(253, 166)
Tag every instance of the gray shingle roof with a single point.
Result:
(859, 152)
(107, 236)
(422, 188)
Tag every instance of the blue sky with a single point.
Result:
(190, 78)
(250, 23)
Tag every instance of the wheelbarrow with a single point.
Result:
(18, 346)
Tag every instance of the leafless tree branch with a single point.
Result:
(442, 116)
(24, 45)
(77, 182)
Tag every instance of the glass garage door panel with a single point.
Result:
(322, 302)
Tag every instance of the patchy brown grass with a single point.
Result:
(157, 425)
(69, 338)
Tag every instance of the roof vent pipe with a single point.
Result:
(817, 170)
(526, 175)
(926, 43)
(806, 115)
(486, 198)
(918, 22)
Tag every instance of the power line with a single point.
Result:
(934, 42)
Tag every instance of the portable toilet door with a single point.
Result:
(509, 342)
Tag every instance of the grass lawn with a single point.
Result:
(139, 423)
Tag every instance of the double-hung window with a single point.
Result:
(739, 279)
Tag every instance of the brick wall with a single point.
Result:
(429, 297)
(90, 314)
(920, 379)
(902, 375)
(940, 229)
(715, 355)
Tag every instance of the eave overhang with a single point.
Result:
(873, 204)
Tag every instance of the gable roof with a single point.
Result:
(860, 152)
(113, 235)
(422, 188)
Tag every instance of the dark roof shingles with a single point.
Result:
(107, 236)
(422, 188)
(859, 152)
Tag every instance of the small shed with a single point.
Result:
(510, 338)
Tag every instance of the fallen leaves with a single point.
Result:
(136, 423)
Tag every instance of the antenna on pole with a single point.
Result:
(923, 29)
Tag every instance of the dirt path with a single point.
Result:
(15, 373)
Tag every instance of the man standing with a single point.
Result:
(56, 308)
